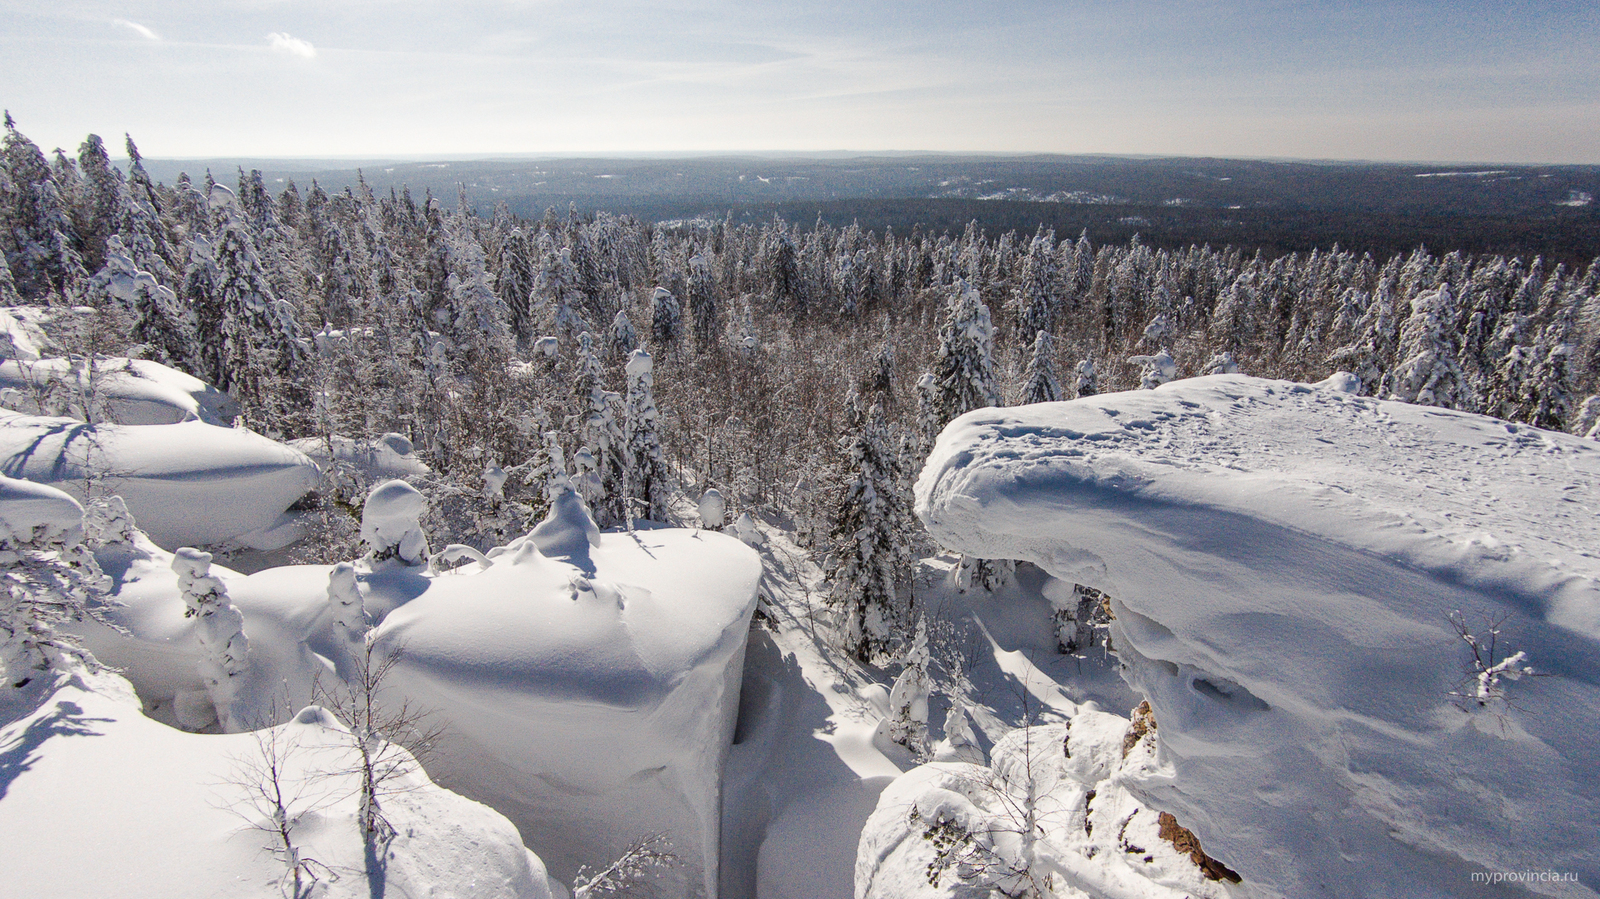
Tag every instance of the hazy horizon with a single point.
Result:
(1464, 83)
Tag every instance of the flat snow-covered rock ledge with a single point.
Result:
(1284, 561)
(588, 691)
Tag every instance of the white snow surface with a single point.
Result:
(589, 697)
(99, 800)
(1284, 561)
(130, 391)
(186, 484)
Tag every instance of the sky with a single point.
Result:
(1465, 81)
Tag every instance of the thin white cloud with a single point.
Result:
(143, 31)
(282, 42)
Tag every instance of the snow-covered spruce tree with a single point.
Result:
(48, 577)
(1155, 370)
(557, 288)
(224, 649)
(871, 533)
(621, 335)
(1085, 383)
(1222, 363)
(99, 210)
(1039, 381)
(704, 314)
(646, 481)
(907, 723)
(249, 340)
(348, 612)
(38, 238)
(516, 277)
(1428, 373)
(162, 326)
(602, 461)
(964, 379)
(666, 318)
(1036, 294)
(964, 371)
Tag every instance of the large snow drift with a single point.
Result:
(124, 391)
(100, 800)
(588, 684)
(186, 484)
(1284, 563)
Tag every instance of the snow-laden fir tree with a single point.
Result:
(1427, 372)
(704, 314)
(964, 379)
(1222, 363)
(1155, 370)
(101, 200)
(219, 629)
(666, 318)
(38, 237)
(872, 533)
(160, 324)
(907, 723)
(557, 288)
(645, 484)
(713, 509)
(964, 371)
(48, 578)
(1084, 382)
(1039, 381)
(602, 461)
(1036, 294)
(248, 339)
(623, 338)
(515, 279)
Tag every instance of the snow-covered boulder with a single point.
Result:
(374, 459)
(21, 333)
(122, 391)
(590, 697)
(1292, 569)
(37, 514)
(187, 484)
(105, 801)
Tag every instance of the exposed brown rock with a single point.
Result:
(1183, 840)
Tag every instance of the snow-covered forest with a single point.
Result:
(385, 376)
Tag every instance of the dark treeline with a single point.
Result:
(500, 345)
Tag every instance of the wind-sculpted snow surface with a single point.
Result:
(124, 391)
(1287, 565)
(588, 685)
(99, 800)
(187, 484)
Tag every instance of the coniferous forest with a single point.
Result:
(786, 365)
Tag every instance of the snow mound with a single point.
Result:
(97, 800)
(375, 459)
(591, 698)
(37, 514)
(122, 391)
(1295, 574)
(187, 484)
(390, 522)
